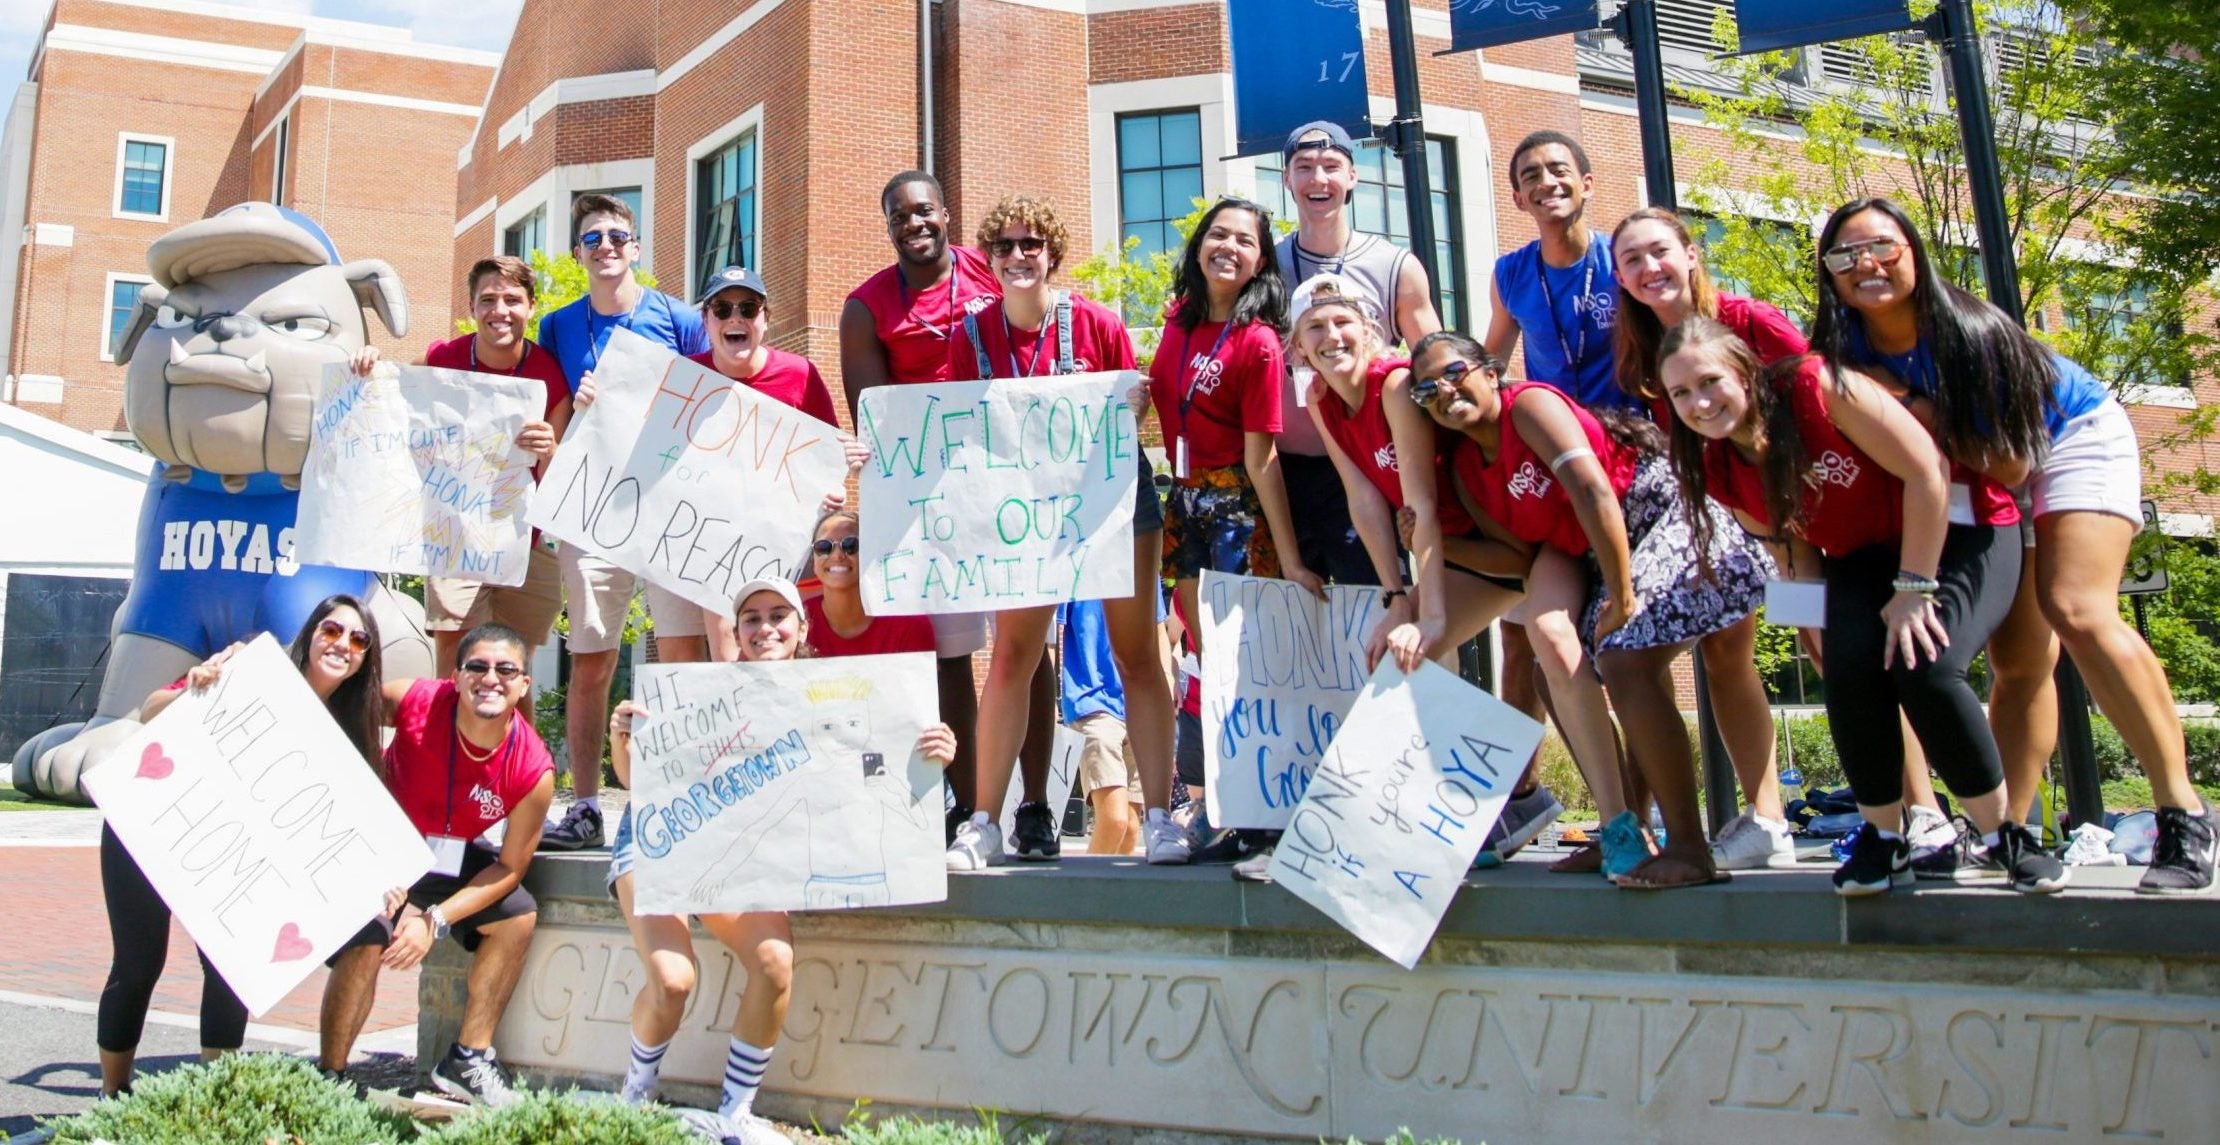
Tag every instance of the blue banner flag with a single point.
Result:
(1770, 25)
(1295, 61)
(1490, 23)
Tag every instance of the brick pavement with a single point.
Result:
(55, 943)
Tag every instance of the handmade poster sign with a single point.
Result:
(686, 477)
(792, 785)
(1004, 494)
(258, 823)
(1063, 776)
(415, 469)
(1400, 805)
(1280, 669)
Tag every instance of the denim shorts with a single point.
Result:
(622, 851)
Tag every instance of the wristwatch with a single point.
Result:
(438, 920)
(1389, 596)
(1913, 582)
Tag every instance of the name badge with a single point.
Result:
(1961, 503)
(1303, 376)
(1796, 603)
(1179, 457)
(447, 854)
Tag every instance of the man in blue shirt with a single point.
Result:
(597, 594)
(1093, 704)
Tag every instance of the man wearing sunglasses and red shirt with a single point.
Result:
(462, 759)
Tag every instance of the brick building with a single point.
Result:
(140, 115)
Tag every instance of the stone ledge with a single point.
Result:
(1522, 902)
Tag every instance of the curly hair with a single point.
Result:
(1036, 215)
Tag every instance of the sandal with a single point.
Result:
(1637, 879)
(1588, 860)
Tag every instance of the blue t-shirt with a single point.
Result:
(576, 335)
(2077, 393)
(1090, 677)
(1565, 319)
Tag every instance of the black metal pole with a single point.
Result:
(1406, 134)
(1952, 26)
(1636, 25)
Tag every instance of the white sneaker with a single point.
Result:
(1167, 843)
(645, 1095)
(1751, 842)
(977, 847)
(1927, 830)
(737, 1129)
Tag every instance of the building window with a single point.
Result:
(629, 196)
(1381, 209)
(526, 235)
(1159, 176)
(724, 207)
(143, 177)
(2122, 323)
(123, 302)
(278, 158)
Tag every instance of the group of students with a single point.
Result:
(1675, 456)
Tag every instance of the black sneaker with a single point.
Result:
(1962, 860)
(339, 1077)
(1875, 864)
(2182, 858)
(473, 1077)
(1035, 834)
(1235, 845)
(2023, 861)
(957, 817)
(580, 829)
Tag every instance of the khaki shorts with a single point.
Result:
(530, 608)
(1106, 760)
(597, 594)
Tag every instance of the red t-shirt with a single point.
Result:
(1099, 341)
(785, 377)
(1369, 442)
(455, 354)
(1850, 503)
(435, 780)
(885, 634)
(1520, 492)
(1234, 385)
(920, 330)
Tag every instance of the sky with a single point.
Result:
(432, 21)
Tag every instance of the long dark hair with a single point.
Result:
(1971, 342)
(1782, 462)
(358, 704)
(1638, 329)
(1264, 299)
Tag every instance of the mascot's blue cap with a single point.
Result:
(250, 234)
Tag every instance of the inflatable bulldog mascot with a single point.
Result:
(225, 357)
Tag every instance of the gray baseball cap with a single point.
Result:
(730, 277)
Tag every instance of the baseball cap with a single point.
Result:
(1320, 289)
(1336, 137)
(730, 277)
(778, 584)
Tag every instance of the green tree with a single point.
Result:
(1118, 276)
(2184, 622)
(2156, 91)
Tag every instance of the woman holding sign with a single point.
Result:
(1032, 330)
(337, 652)
(1595, 496)
(770, 623)
(1848, 488)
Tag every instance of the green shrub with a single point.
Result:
(862, 1129)
(565, 1117)
(1405, 1137)
(236, 1098)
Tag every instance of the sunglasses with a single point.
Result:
(593, 239)
(357, 640)
(1844, 258)
(505, 670)
(824, 547)
(1031, 244)
(747, 308)
(1424, 391)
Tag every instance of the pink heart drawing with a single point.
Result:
(153, 764)
(291, 947)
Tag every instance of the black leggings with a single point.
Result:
(1980, 572)
(139, 928)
